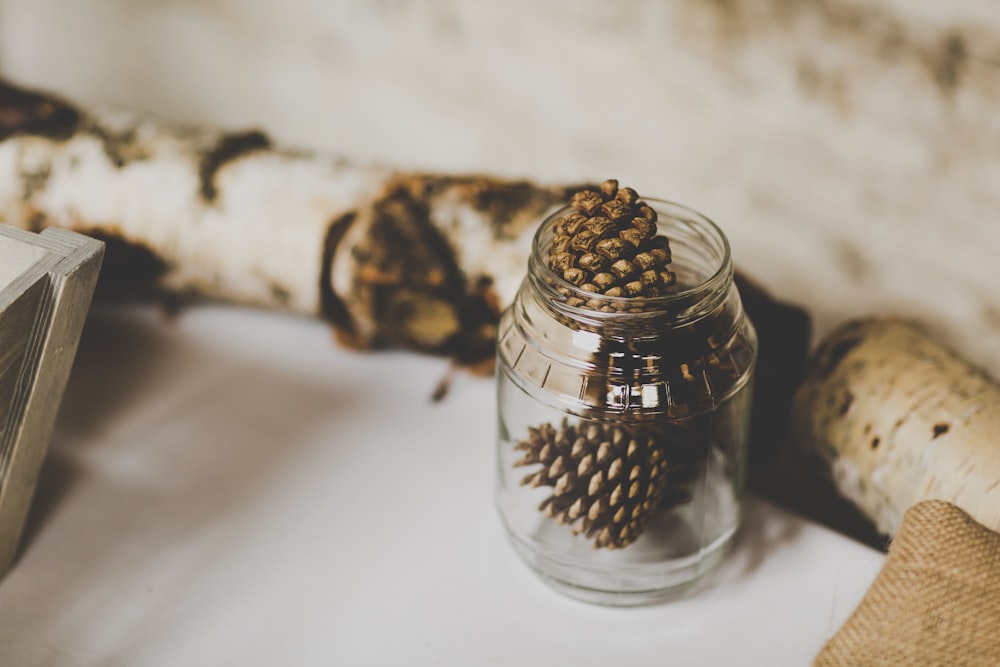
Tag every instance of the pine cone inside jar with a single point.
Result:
(609, 245)
(607, 481)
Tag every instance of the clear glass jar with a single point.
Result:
(623, 424)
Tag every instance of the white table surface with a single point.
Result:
(231, 488)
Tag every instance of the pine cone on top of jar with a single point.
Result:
(608, 245)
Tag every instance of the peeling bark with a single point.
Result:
(897, 418)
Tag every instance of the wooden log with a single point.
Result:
(418, 261)
(897, 418)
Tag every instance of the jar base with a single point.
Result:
(627, 585)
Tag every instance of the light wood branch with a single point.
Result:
(898, 418)
(420, 261)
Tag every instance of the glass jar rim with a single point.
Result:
(721, 276)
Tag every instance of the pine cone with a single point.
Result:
(609, 245)
(608, 478)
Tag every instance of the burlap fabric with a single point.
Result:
(936, 600)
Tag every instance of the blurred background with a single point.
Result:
(850, 149)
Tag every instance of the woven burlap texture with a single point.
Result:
(936, 600)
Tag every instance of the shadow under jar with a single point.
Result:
(623, 422)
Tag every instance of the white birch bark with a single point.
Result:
(898, 418)
(229, 216)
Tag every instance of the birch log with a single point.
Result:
(411, 260)
(898, 418)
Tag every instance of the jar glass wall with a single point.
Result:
(623, 422)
